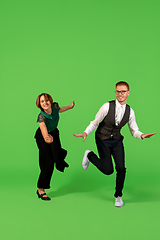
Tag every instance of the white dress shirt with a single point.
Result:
(120, 110)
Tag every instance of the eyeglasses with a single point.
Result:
(122, 92)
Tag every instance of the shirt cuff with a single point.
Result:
(87, 131)
(138, 135)
(90, 129)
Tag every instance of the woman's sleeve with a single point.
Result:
(56, 105)
(41, 118)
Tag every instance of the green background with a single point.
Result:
(78, 50)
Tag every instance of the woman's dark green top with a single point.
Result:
(51, 120)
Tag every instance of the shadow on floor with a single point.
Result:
(80, 183)
(102, 186)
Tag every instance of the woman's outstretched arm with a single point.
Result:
(63, 109)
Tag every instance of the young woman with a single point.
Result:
(48, 142)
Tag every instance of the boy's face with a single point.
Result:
(122, 93)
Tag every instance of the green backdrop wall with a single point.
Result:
(78, 50)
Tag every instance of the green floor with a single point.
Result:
(82, 207)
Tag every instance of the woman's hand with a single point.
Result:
(49, 139)
(72, 104)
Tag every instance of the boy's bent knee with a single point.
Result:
(108, 172)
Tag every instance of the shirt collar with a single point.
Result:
(119, 105)
(46, 114)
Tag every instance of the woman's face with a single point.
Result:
(45, 103)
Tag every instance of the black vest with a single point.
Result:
(107, 128)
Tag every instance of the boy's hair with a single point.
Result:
(123, 83)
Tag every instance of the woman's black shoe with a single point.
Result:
(41, 196)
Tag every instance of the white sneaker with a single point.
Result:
(118, 202)
(85, 161)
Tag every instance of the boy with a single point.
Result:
(109, 120)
